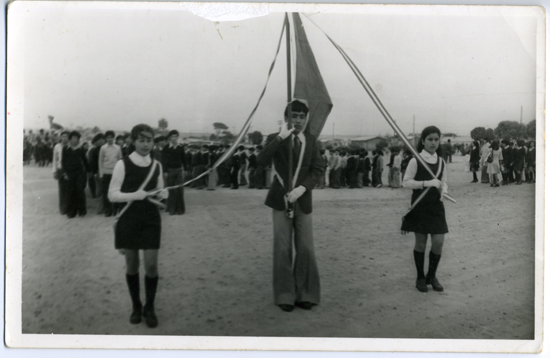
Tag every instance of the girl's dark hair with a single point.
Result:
(426, 132)
(140, 128)
(494, 145)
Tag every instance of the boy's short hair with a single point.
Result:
(140, 129)
(109, 134)
(240, 147)
(65, 132)
(97, 137)
(297, 106)
(74, 134)
(159, 139)
(173, 132)
(251, 149)
(259, 147)
(120, 136)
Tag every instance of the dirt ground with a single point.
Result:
(215, 266)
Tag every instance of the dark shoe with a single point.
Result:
(150, 317)
(286, 308)
(305, 305)
(421, 285)
(135, 317)
(435, 284)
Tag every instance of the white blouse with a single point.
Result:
(115, 195)
(410, 173)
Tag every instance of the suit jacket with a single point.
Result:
(507, 157)
(519, 159)
(351, 165)
(276, 151)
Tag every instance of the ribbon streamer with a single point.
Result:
(242, 133)
(379, 105)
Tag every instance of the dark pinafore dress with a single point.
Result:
(139, 227)
(428, 216)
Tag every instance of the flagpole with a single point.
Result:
(289, 99)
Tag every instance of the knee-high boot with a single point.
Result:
(133, 287)
(151, 284)
(430, 277)
(420, 278)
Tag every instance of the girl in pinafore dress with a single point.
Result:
(428, 216)
(139, 226)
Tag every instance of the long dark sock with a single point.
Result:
(151, 284)
(133, 287)
(434, 261)
(475, 175)
(419, 262)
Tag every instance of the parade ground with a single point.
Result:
(215, 266)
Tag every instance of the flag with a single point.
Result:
(309, 83)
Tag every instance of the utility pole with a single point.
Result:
(521, 115)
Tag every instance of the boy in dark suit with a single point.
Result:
(174, 165)
(290, 198)
(75, 166)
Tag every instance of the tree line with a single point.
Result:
(506, 129)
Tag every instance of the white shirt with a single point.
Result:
(410, 173)
(109, 155)
(115, 195)
(57, 153)
(397, 161)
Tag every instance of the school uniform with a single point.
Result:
(109, 155)
(173, 162)
(139, 227)
(75, 166)
(366, 180)
(334, 168)
(242, 170)
(519, 163)
(213, 175)
(351, 172)
(507, 164)
(235, 168)
(485, 151)
(296, 281)
(58, 174)
(396, 171)
(428, 216)
(252, 165)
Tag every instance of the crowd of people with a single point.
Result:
(134, 176)
(502, 162)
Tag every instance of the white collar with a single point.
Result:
(172, 146)
(140, 160)
(429, 158)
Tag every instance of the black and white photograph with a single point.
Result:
(319, 177)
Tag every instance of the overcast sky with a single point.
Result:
(114, 68)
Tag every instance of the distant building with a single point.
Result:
(368, 143)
